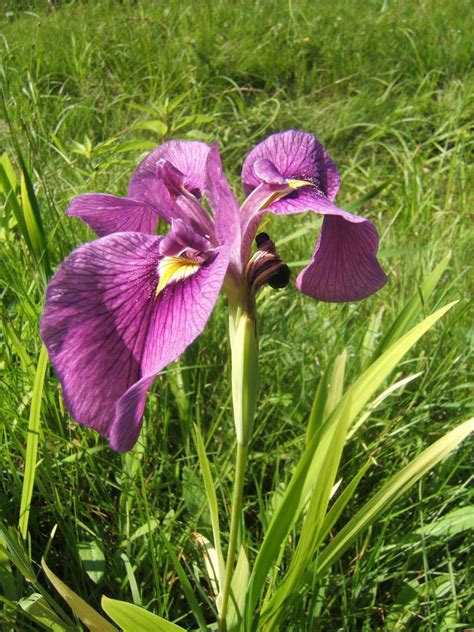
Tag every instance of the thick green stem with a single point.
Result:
(244, 353)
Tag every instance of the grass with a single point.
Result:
(388, 87)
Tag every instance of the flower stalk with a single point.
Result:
(244, 357)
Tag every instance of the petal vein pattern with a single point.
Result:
(108, 335)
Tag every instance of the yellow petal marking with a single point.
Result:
(173, 269)
(292, 184)
(296, 184)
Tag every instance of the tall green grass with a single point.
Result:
(87, 88)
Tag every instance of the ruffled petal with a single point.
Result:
(294, 155)
(108, 334)
(107, 214)
(344, 266)
(188, 157)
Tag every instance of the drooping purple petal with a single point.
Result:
(344, 266)
(293, 155)
(108, 334)
(107, 214)
(188, 157)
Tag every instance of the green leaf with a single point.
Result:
(390, 492)
(302, 480)
(456, 521)
(8, 188)
(34, 223)
(380, 398)
(328, 393)
(156, 126)
(94, 621)
(136, 145)
(211, 502)
(7, 579)
(93, 560)
(132, 580)
(239, 586)
(32, 443)
(26, 211)
(39, 609)
(327, 457)
(186, 586)
(337, 508)
(12, 545)
(132, 618)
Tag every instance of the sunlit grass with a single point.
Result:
(88, 87)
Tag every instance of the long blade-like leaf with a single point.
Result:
(92, 619)
(211, 502)
(32, 443)
(302, 480)
(132, 618)
(327, 457)
(391, 491)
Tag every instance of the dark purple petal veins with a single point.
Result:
(225, 209)
(107, 214)
(344, 266)
(187, 157)
(108, 333)
(292, 155)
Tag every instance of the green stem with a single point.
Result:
(244, 352)
(236, 516)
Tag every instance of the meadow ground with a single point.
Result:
(88, 87)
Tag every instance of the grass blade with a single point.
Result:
(94, 621)
(328, 394)
(413, 308)
(327, 457)
(32, 443)
(211, 501)
(400, 483)
(303, 479)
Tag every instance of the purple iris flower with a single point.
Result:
(122, 307)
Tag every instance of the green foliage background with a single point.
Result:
(387, 86)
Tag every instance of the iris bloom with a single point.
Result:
(122, 307)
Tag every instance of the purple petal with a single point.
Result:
(188, 157)
(344, 266)
(221, 199)
(182, 238)
(107, 214)
(304, 199)
(252, 211)
(266, 171)
(107, 333)
(294, 155)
